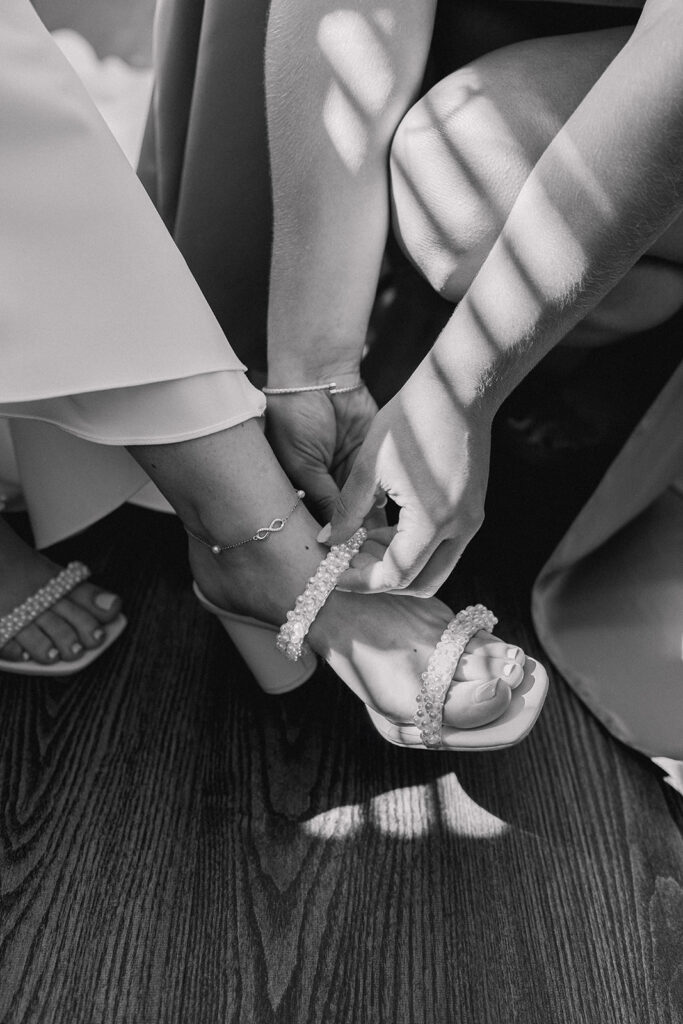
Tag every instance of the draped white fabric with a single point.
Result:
(104, 332)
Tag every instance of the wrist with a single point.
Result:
(316, 365)
(480, 374)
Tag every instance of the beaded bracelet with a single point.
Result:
(290, 639)
(332, 388)
(436, 681)
(54, 590)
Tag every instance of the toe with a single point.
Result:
(89, 630)
(476, 703)
(100, 604)
(487, 657)
(12, 651)
(38, 645)
(64, 637)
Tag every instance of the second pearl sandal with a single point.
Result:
(41, 601)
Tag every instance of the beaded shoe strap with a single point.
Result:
(290, 639)
(436, 681)
(45, 598)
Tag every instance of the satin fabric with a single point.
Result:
(104, 332)
(205, 160)
(608, 604)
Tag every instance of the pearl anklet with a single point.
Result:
(290, 639)
(261, 534)
(436, 681)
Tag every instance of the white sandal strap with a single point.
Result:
(436, 681)
(53, 591)
(292, 635)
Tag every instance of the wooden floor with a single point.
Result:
(177, 848)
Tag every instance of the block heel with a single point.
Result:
(255, 641)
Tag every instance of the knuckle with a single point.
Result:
(397, 579)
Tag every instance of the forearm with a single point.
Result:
(607, 186)
(337, 84)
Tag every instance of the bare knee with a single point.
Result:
(458, 161)
(649, 295)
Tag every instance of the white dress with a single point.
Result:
(106, 339)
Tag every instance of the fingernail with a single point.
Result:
(98, 633)
(324, 534)
(53, 653)
(105, 601)
(76, 648)
(487, 691)
(513, 652)
(513, 673)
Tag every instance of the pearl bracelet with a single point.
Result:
(290, 639)
(436, 681)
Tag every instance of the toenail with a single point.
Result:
(513, 673)
(487, 691)
(97, 633)
(105, 601)
(76, 648)
(53, 653)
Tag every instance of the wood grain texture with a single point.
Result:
(177, 847)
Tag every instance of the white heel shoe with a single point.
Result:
(510, 728)
(255, 641)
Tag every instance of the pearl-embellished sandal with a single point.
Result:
(255, 641)
(515, 723)
(261, 645)
(43, 599)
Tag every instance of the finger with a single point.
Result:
(353, 505)
(404, 558)
(321, 491)
(376, 520)
(436, 571)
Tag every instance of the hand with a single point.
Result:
(431, 456)
(315, 436)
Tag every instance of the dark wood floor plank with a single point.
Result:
(177, 847)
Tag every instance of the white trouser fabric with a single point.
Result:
(106, 339)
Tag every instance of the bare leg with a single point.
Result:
(463, 153)
(226, 485)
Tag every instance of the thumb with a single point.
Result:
(357, 498)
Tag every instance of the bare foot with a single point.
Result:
(74, 624)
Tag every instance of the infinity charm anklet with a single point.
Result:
(261, 534)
